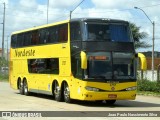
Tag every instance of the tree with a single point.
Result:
(3, 62)
(137, 36)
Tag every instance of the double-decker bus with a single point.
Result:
(83, 59)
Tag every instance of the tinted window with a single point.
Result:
(108, 32)
(75, 31)
(76, 67)
(63, 33)
(52, 34)
(42, 36)
(119, 33)
(98, 31)
(27, 39)
(13, 41)
(35, 37)
(20, 39)
(44, 66)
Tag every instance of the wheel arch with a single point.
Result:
(18, 82)
(53, 85)
(24, 79)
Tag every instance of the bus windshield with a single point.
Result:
(116, 32)
(111, 65)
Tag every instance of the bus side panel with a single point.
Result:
(15, 73)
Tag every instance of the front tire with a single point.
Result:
(26, 92)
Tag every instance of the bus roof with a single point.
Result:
(98, 19)
(39, 27)
(66, 21)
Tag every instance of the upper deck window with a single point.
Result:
(42, 36)
(116, 32)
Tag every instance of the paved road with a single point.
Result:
(11, 100)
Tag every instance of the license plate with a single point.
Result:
(112, 96)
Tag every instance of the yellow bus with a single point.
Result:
(82, 59)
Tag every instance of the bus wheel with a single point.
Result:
(57, 92)
(67, 93)
(26, 92)
(99, 101)
(20, 86)
(110, 102)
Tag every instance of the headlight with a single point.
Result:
(131, 88)
(92, 89)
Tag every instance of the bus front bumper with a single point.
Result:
(92, 96)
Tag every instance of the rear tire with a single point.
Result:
(57, 92)
(20, 86)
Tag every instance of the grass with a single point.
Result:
(3, 77)
(148, 93)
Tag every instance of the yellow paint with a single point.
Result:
(143, 61)
(83, 60)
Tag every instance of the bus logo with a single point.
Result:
(113, 83)
(112, 88)
(24, 53)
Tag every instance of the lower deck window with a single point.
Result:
(44, 66)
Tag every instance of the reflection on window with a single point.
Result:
(119, 33)
(76, 67)
(44, 66)
(27, 38)
(123, 64)
(52, 34)
(75, 31)
(14, 41)
(108, 32)
(35, 38)
(100, 65)
(63, 33)
(42, 36)
(20, 38)
(98, 32)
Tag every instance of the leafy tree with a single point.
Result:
(3, 62)
(137, 36)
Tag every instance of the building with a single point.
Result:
(149, 59)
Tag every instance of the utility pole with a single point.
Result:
(7, 47)
(47, 10)
(3, 30)
(153, 38)
(70, 15)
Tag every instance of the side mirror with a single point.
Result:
(143, 61)
(83, 60)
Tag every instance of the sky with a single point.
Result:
(22, 14)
